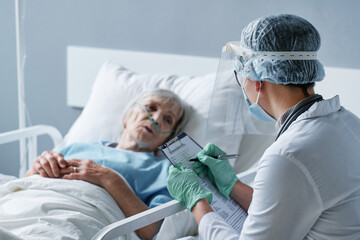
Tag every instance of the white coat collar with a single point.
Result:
(322, 108)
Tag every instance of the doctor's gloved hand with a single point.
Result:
(219, 171)
(184, 185)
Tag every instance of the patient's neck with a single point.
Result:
(127, 142)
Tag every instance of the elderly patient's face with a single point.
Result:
(140, 127)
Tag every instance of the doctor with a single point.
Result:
(308, 181)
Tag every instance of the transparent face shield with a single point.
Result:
(229, 118)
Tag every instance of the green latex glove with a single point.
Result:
(219, 171)
(184, 185)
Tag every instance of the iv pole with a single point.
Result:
(21, 92)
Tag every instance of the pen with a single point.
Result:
(218, 157)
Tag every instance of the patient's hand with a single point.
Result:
(48, 164)
(86, 170)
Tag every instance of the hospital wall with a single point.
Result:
(184, 27)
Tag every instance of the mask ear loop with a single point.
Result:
(258, 96)
(153, 121)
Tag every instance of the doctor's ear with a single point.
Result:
(259, 85)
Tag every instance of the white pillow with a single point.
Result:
(115, 86)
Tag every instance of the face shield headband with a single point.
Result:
(152, 120)
(247, 54)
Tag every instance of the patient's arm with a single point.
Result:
(48, 164)
(128, 202)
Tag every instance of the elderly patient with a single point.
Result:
(129, 170)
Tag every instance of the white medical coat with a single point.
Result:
(308, 182)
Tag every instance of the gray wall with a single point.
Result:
(184, 27)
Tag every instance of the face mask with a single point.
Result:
(153, 121)
(256, 110)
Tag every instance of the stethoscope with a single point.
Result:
(301, 108)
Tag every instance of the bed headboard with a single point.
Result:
(83, 63)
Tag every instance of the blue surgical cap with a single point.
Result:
(281, 33)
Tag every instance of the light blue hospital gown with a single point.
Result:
(145, 173)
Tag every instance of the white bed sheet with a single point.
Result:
(46, 208)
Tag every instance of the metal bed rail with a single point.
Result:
(29, 135)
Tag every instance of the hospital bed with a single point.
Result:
(174, 212)
(123, 74)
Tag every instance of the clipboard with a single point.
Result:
(181, 149)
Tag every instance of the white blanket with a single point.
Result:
(44, 208)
